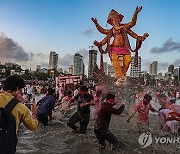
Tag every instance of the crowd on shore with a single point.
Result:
(46, 99)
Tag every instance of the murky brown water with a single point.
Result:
(58, 138)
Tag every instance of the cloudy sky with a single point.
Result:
(30, 29)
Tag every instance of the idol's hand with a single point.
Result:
(94, 20)
(138, 9)
(144, 36)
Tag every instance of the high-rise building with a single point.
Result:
(78, 65)
(171, 69)
(110, 70)
(153, 68)
(38, 68)
(179, 73)
(92, 62)
(176, 72)
(105, 68)
(71, 69)
(176, 76)
(135, 71)
(53, 60)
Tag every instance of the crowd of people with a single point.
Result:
(37, 103)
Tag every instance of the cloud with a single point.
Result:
(168, 46)
(177, 63)
(85, 54)
(162, 66)
(145, 64)
(31, 56)
(88, 32)
(41, 55)
(66, 61)
(43, 64)
(11, 50)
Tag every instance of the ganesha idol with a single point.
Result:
(119, 50)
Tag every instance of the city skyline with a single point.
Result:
(14, 68)
(31, 29)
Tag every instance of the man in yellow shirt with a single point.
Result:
(21, 113)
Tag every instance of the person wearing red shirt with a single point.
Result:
(101, 127)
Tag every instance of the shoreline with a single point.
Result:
(59, 138)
